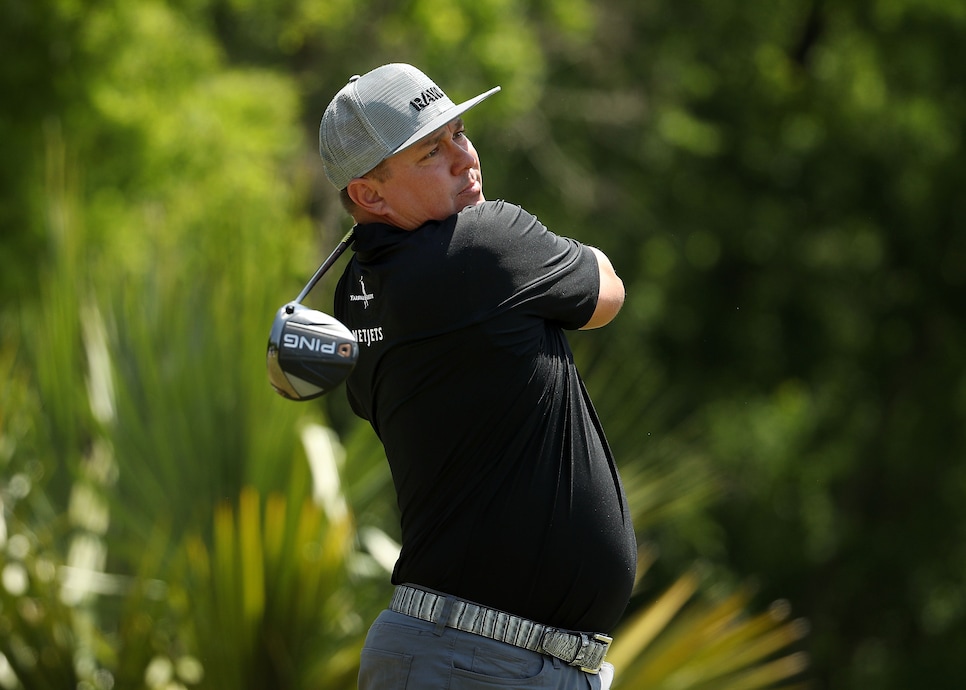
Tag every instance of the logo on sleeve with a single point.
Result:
(364, 297)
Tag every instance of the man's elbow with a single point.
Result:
(610, 297)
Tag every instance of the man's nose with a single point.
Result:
(462, 158)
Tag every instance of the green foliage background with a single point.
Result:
(777, 183)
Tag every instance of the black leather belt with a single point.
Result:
(586, 651)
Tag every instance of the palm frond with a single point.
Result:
(270, 594)
(683, 641)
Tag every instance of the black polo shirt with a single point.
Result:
(508, 491)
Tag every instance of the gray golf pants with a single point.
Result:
(405, 653)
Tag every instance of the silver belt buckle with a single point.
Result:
(589, 654)
(598, 661)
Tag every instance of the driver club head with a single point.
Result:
(309, 353)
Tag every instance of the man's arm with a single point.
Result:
(611, 296)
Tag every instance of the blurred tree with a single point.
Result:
(42, 75)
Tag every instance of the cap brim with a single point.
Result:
(443, 118)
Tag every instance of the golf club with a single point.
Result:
(310, 353)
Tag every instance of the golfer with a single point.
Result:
(518, 553)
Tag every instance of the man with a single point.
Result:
(518, 552)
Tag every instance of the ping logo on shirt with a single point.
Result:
(426, 97)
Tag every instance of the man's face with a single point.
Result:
(432, 179)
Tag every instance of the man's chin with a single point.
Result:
(474, 198)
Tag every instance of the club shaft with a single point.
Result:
(326, 265)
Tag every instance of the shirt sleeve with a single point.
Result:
(528, 268)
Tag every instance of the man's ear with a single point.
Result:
(365, 195)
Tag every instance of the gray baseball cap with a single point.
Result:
(378, 115)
